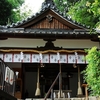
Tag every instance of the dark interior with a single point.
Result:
(52, 68)
(48, 73)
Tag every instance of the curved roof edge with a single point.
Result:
(48, 4)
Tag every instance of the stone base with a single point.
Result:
(80, 96)
(74, 98)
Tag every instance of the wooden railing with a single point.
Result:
(5, 96)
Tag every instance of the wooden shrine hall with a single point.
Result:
(43, 45)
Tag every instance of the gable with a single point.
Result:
(49, 19)
(52, 23)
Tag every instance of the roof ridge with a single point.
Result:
(48, 4)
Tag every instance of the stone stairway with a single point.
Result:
(74, 98)
(55, 99)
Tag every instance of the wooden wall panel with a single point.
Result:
(54, 24)
(43, 23)
(60, 25)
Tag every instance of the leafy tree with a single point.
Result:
(63, 5)
(6, 9)
(20, 13)
(94, 8)
(86, 12)
(92, 71)
(16, 3)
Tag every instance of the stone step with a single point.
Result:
(74, 98)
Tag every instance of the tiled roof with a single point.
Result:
(51, 33)
(12, 30)
(45, 6)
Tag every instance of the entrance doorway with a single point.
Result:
(47, 75)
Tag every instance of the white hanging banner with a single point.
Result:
(40, 56)
(21, 56)
(58, 57)
(44, 58)
(7, 74)
(11, 79)
(76, 57)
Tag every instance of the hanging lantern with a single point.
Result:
(21, 56)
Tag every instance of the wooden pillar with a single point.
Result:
(60, 83)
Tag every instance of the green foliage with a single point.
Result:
(94, 8)
(86, 12)
(16, 3)
(15, 15)
(20, 14)
(92, 71)
(63, 5)
(6, 10)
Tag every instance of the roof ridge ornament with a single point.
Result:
(49, 1)
(48, 4)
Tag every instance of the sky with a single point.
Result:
(34, 4)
